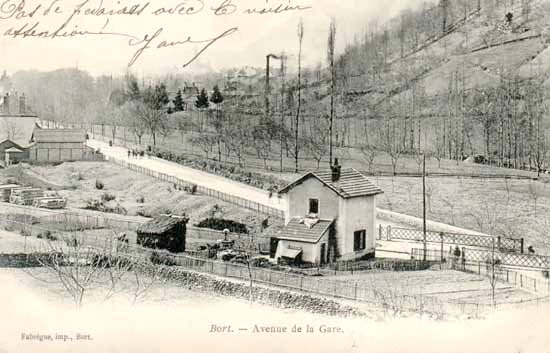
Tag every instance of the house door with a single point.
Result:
(273, 247)
(323, 253)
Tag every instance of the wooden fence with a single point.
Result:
(386, 297)
(93, 220)
(235, 200)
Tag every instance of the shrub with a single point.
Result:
(50, 236)
(106, 197)
(25, 232)
(143, 213)
(99, 185)
(162, 259)
(44, 234)
(140, 199)
(221, 224)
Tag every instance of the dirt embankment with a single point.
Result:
(128, 192)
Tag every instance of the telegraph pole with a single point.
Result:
(424, 203)
(267, 86)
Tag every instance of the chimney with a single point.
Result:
(7, 103)
(336, 171)
(22, 104)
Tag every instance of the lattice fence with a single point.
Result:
(482, 241)
(509, 259)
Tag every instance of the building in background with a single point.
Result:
(17, 124)
(59, 145)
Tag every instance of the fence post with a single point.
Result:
(355, 292)
(441, 260)
(520, 280)
(521, 245)
(388, 232)
(379, 232)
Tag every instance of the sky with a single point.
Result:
(256, 35)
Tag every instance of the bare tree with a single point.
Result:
(535, 190)
(81, 263)
(205, 142)
(493, 270)
(394, 151)
(299, 88)
(12, 130)
(330, 55)
(369, 152)
(238, 140)
(316, 144)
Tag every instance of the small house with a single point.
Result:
(15, 137)
(330, 216)
(163, 232)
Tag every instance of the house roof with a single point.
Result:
(13, 150)
(60, 135)
(18, 129)
(291, 253)
(297, 230)
(351, 183)
(161, 224)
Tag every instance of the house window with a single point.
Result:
(359, 240)
(314, 206)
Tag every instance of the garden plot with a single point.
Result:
(135, 194)
(446, 285)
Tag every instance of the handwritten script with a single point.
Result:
(56, 19)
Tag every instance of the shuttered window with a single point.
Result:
(359, 240)
(314, 206)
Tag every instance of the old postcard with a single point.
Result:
(274, 176)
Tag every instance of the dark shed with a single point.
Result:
(164, 232)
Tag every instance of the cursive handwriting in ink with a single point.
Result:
(226, 8)
(28, 30)
(149, 40)
(275, 9)
(16, 10)
(186, 7)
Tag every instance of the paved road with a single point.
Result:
(195, 176)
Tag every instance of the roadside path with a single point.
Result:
(194, 176)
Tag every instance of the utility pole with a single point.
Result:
(282, 109)
(424, 203)
(267, 86)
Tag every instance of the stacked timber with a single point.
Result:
(50, 202)
(25, 196)
(5, 191)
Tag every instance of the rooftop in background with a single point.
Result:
(59, 135)
(298, 230)
(351, 183)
